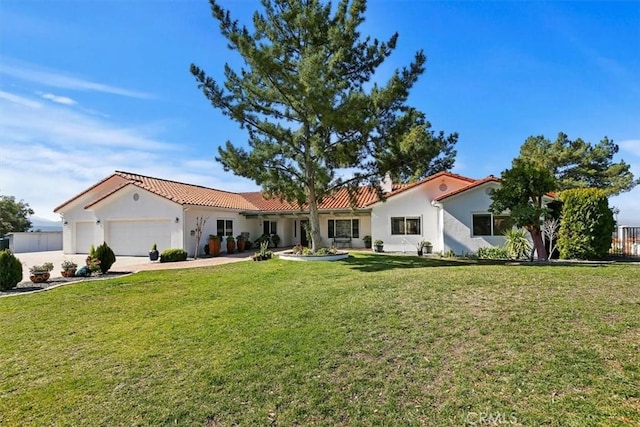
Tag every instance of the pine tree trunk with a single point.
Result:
(314, 222)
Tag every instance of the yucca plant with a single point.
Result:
(516, 243)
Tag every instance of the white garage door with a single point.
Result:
(84, 237)
(137, 237)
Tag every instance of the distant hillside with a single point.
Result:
(43, 224)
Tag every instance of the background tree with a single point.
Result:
(311, 108)
(522, 191)
(14, 215)
(580, 164)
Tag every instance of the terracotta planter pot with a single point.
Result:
(241, 243)
(68, 273)
(231, 247)
(214, 247)
(39, 277)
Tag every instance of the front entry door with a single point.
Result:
(303, 232)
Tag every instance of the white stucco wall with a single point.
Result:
(240, 224)
(74, 212)
(458, 220)
(121, 206)
(415, 202)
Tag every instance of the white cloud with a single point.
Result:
(58, 99)
(17, 99)
(50, 153)
(631, 146)
(32, 73)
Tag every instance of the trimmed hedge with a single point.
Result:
(10, 270)
(586, 225)
(172, 255)
(106, 256)
(492, 253)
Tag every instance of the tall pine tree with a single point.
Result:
(580, 164)
(312, 109)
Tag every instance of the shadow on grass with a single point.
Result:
(372, 263)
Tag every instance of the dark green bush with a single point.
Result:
(105, 255)
(172, 255)
(586, 225)
(493, 253)
(10, 270)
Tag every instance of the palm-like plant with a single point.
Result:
(516, 243)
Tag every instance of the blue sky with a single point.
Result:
(89, 87)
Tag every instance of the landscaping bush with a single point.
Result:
(105, 255)
(10, 270)
(493, 253)
(586, 225)
(516, 243)
(172, 255)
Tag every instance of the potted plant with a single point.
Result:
(419, 247)
(40, 273)
(275, 239)
(428, 247)
(68, 268)
(231, 244)
(378, 245)
(264, 253)
(153, 253)
(214, 245)
(240, 241)
(367, 241)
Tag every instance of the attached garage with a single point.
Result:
(84, 236)
(135, 237)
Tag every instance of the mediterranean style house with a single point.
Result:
(131, 212)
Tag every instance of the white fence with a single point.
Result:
(35, 241)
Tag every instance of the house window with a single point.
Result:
(224, 227)
(405, 225)
(269, 227)
(490, 225)
(344, 228)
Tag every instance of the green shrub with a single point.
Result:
(10, 270)
(493, 253)
(516, 243)
(586, 225)
(105, 255)
(172, 255)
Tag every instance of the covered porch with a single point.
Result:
(343, 228)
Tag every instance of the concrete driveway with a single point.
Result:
(123, 263)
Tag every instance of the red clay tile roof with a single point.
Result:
(85, 191)
(468, 187)
(341, 200)
(189, 194)
(399, 188)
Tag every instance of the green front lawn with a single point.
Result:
(375, 340)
